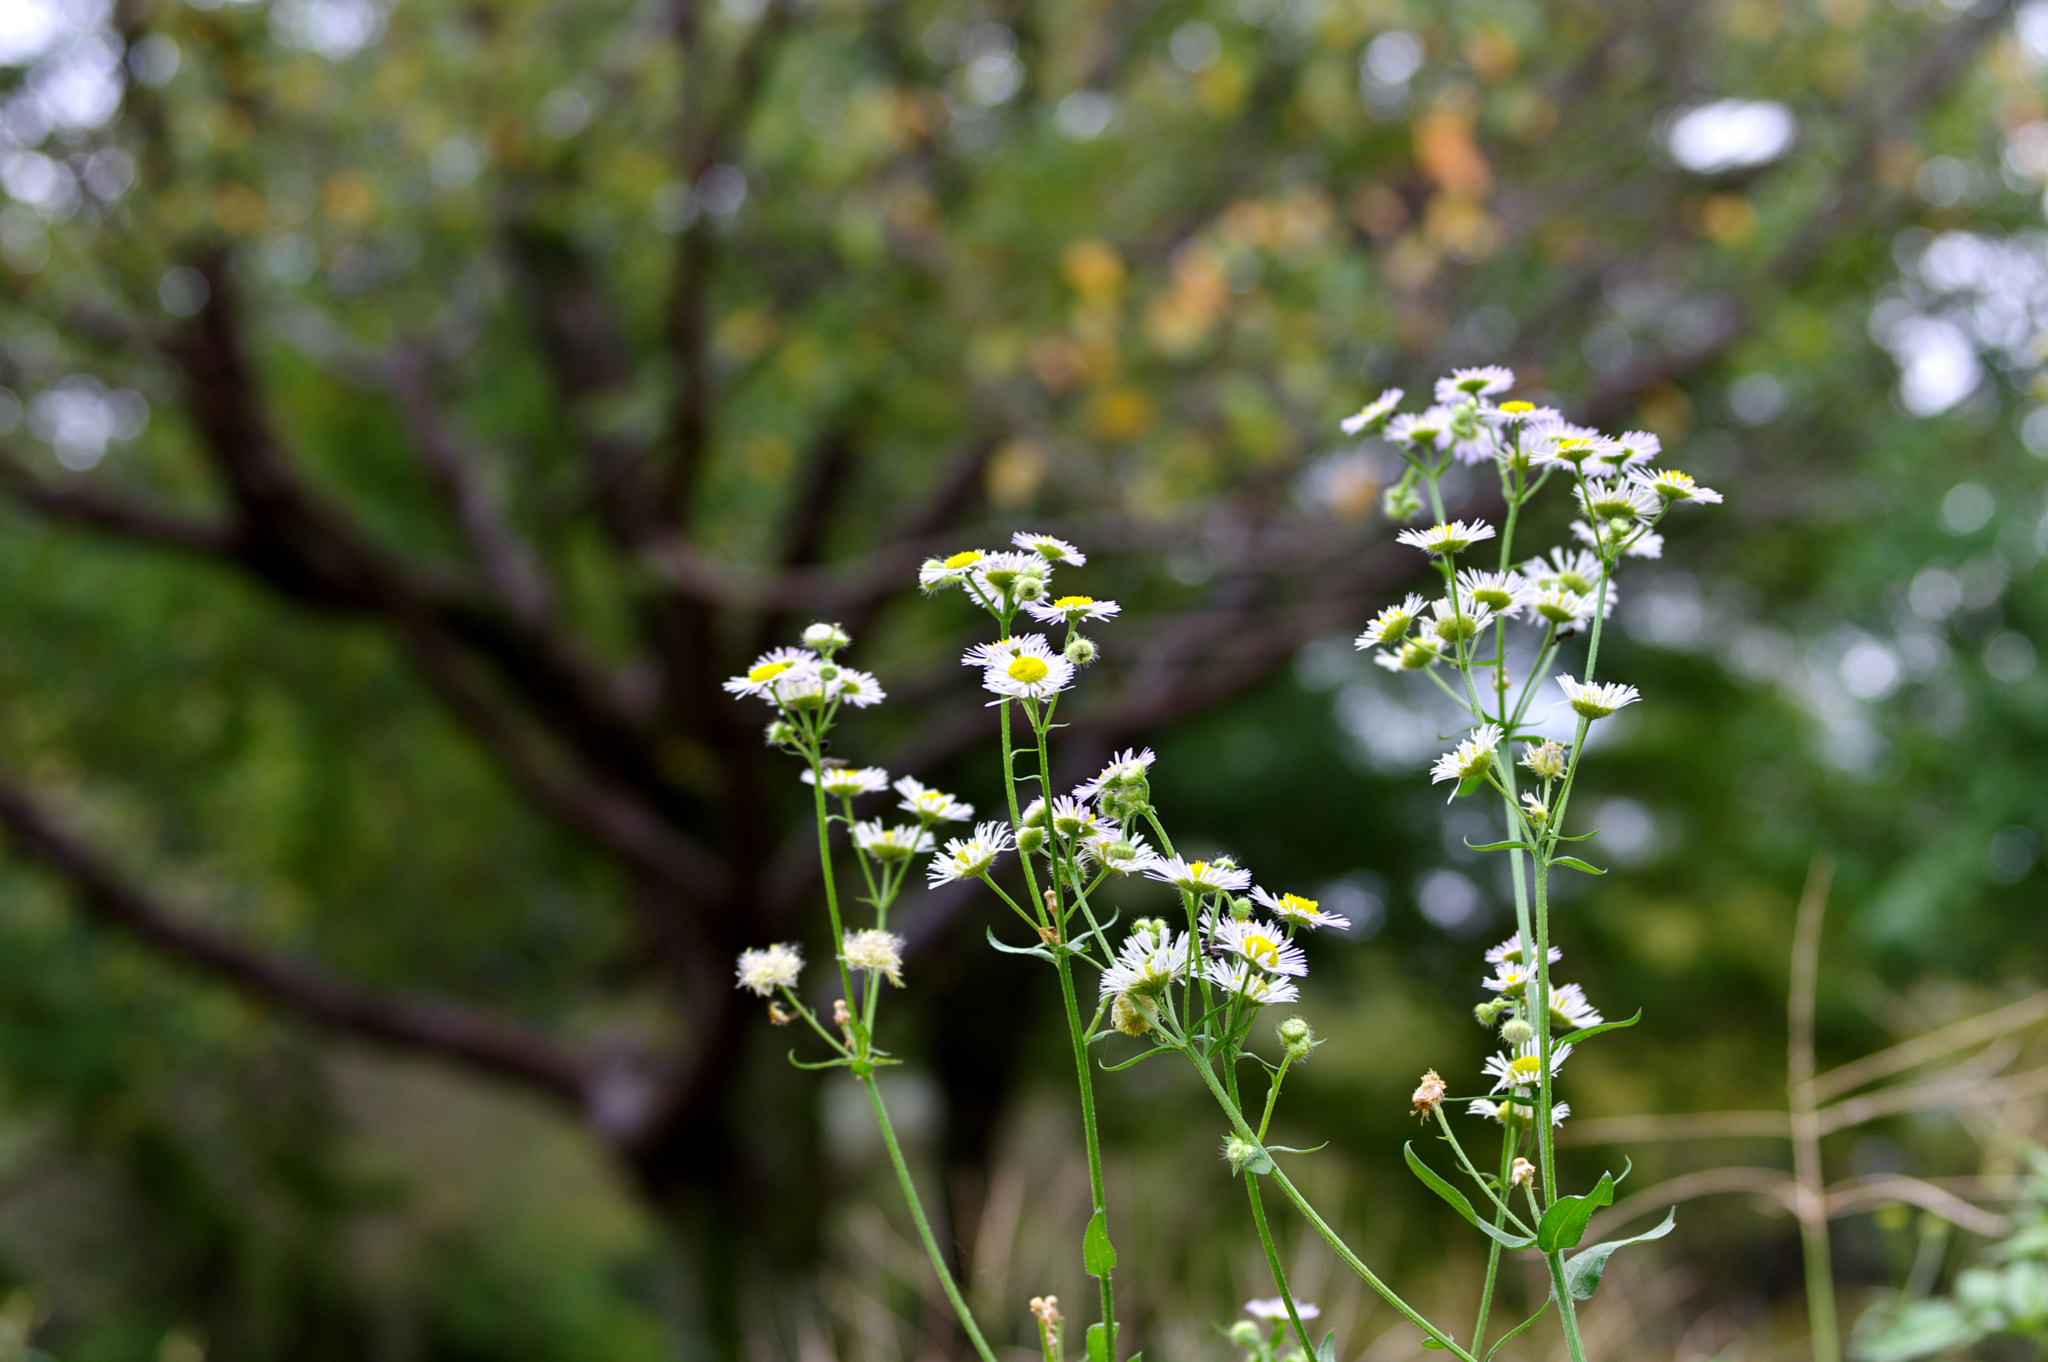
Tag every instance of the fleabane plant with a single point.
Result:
(1195, 984)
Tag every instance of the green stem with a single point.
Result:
(1507, 1163)
(924, 1228)
(1251, 1191)
(831, 887)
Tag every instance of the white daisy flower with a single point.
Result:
(772, 671)
(1596, 699)
(1200, 877)
(1302, 912)
(1035, 672)
(1616, 499)
(1557, 443)
(1250, 984)
(1146, 965)
(969, 858)
(1264, 944)
(1573, 569)
(1426, 431)
(891, 844)
(1620, 538)
(1455, 625)
(1073, 818)
(1524, 1068)
(1276, 1308)
(1500, 592)
(1001, 651)
(876, 951)
(1506, 1112)
(1510, 981)
(1568, 1007)
(1512, 952)
(1455, 537)
(848, 781)
(1369, 416)
(1127, 767)
(1472, 383)
(1519, 416)
(1410, 656)
(1567, 610)
(937, 573)
(850, 686)
(1391, 624)
(1125, 855)
(1628, 451)
(934, 806)
(1071, 610)
(1003, 573)
(762, 972)
(1469, 758)
(1672, 485)
(1051, 549)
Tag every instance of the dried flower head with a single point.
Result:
(1429, 1095)
(875, 951)
(762, 972)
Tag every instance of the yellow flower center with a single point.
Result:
(1028, 670)
(1526, 1069)
(1517, 408)
(1072, 602)
(1297, 905)
(964, 559)
(767, 671)
(1263, 949)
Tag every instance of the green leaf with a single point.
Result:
(1098, 1343)
(1326, 1351)
(1564, 1224)
(1458, 1202)
(1098, 1255)
(1041, 952)
(1501, 846)
(1468, 785)
(1519, 1327)
(1577, 1037)
(1918, 1329)
(1290, 1149)
(1577, 864)
(1138, 1059)
(1260, 1163)
(1582, 1271)
(1432, 1345)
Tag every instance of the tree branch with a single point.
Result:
(488, 1043)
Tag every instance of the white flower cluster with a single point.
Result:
(807, 679)
(1025, 667)
(1513, 981)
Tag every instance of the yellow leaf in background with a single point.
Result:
(1093, 269)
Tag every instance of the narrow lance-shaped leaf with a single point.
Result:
(1582, 1271)
(1458, 1202)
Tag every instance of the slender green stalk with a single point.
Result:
(1251, 1191)
(1493, 1246)
(924, 1227)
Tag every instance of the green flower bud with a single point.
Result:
(1401, 502)
(1517, 1032)
(1297, 1037)
(1488, 1012)
(1245, 1334)
(1080, 651)
(781, 733)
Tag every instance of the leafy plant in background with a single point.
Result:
(2005, 1293)
(1197, 988)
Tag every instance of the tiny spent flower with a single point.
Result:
(1302, 912)
(1391, 624)
(1444, 540)
(1422, 433)
(848, 781)
(1261, 943)
(1521, 1173)
(1547, 760)
(1369, 417)
(1469, 758)
(933, 806)
(1596, 699)
(1429, 1095)
(891, 844)
(1200, 877)
(969, 858)
(875, 951)
(763, 971)
(1051, 549)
